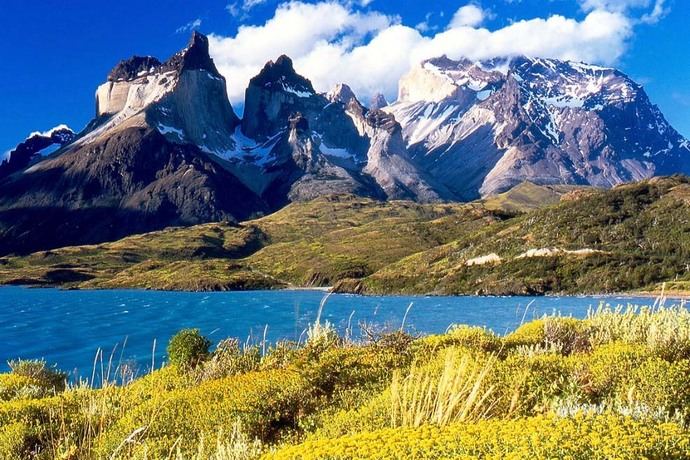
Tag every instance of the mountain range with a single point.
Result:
(166, 147)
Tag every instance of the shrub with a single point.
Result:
(188, 348)
(553, 334)
(14, 386)
(13, 441)
(48, 378)
(267, 403)
(229, 359)
(473, 338)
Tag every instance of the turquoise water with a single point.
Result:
(69, 327)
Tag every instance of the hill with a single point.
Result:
(632, 237)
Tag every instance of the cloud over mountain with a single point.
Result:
(332, 42)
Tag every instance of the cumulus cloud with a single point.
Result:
(333, 42)
(469, 15)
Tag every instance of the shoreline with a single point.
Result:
(671, 295)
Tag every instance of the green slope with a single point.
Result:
(629, 238)
(306, 244)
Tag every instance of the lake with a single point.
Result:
(69, 327)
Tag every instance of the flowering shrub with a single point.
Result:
(542, 437)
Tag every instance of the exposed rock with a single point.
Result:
(377, 102)
(33, 147)
(134, 67)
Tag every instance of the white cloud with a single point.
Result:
(469, 15)
(191, 25)
(332, 42)
(655, 9)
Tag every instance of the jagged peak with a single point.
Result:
(341, 93)
(281, 75)
(136, 66)
(194, 57)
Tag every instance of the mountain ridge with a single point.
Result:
(460, 130)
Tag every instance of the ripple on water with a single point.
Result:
(72, 325)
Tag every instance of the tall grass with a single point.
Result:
(456, 394)
(666, 331)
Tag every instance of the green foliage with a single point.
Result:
(188, 348)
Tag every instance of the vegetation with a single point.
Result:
(188, 348)
(615, 385)
(530, 240)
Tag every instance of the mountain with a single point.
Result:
(142, 164)
(166, 148)
(481, 128)
(318, 144)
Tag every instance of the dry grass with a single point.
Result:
(457, 394)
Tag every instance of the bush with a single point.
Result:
(47, 378)
(188, 348)
(229, 359)
(473, 338)
(268, 404)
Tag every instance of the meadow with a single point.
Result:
(614, 385)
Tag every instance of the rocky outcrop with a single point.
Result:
(377, 102)
(33, 147)
(389, 165)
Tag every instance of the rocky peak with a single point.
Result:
(378, 101)
(341, 93)
(194, 57)
(281, 76)
(274, 95)
(134, 67)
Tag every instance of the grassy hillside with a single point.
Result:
(616, 385)
(531, 240)
(305, 244)
(627, 238)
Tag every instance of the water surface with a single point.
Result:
(68, 327)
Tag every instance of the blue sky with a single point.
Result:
(56, 53)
